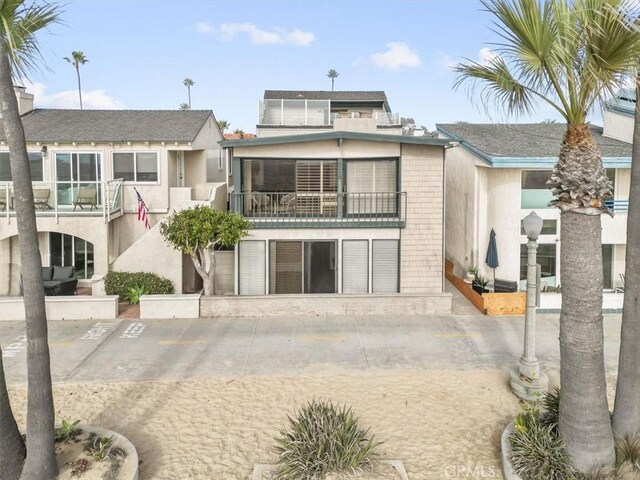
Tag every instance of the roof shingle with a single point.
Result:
(526, 140)
(53, 125)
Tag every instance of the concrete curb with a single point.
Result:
(507, 468)
(262, 469)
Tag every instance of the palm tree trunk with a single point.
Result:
(41, 460)
(626, 414)
(189, 93)
(12, 451)
(79, 85)
(584, 413)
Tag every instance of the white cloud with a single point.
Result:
(204, 28)
(397, 55)
(487, 56)
(445, 62)
(91, 99)
(277, 36)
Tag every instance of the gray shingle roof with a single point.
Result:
(338, 96)
(624, 101)
(51, 125)
(525, 140)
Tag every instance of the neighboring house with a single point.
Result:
(498, 174)
(341, 202)
(85, 165)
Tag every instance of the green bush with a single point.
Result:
(120, 283)
(322, 439)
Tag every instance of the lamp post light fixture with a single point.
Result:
(527, 381)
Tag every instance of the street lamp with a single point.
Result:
(527, 381)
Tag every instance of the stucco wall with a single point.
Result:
(421, 258)
(618, 126)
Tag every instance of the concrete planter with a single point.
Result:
(263, 471)
(129, 467)
(170, 306)
(72, 307)
(507, 468)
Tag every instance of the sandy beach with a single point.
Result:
(437, 422)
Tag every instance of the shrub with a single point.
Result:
(67, 432)
(120, 283)
(537, 452)
(322, 439)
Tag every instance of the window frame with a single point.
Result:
(135, 167)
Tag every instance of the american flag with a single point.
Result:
(143, 211)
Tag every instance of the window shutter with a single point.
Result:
(355, 266)
(252, 267)
(285, 267)
(385, 266)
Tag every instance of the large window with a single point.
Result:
(302, 267)
(546, 259)
(136, 166)
(66, 250)
(35, 165)
(371, 186)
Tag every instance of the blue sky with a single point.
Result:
(140, 51)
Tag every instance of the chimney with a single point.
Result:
(25, 100)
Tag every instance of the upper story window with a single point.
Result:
(36, 165)
(535, 191)
(136, 166)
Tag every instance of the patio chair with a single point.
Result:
(260, 202)
(288, 203)
(41, 197)
(86, 196)
(3, 199)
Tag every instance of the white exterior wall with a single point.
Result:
(618, 126)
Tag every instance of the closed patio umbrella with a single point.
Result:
(492, 255)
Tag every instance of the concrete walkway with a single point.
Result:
(85, 351)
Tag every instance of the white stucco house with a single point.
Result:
(498, 174)
(86, 166)
(341, 203)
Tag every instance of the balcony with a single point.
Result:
(317, 113)
(68, 198)
(311, 209)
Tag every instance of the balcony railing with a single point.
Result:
(292, 112)
(321, 209)
(618, 206)
(68, 198)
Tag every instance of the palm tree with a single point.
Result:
(626, 413)
(19, 54)
(187, 82)
(185, 106)
(77, 59)
(332, 75)
(223, 124)
(568, 55)
(12, 451)
(238, 131)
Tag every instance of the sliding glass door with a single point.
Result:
(75, 170)
(302, 267)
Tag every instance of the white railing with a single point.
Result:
(68, 198)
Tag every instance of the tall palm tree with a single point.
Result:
(568, 55)
(185, 106)
(19, 54)
(77, 58)
(626, 413)
(12, 451)
(187, 82)
(332, 75)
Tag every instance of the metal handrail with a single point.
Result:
(321, 206)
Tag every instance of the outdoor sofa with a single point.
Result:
(58, 280)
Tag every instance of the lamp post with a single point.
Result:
(527, 381)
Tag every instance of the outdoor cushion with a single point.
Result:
(62, 273)
(47, 273)
(51, 283)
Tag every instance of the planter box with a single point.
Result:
(263, 471)
(507, 468)
(488, 303)
(170, 306)
(72, 307)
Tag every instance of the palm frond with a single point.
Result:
(18, 25)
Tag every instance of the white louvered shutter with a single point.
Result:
(355, 266)
(252, 267)
(385, 266)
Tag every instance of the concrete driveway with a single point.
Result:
(130, 350)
